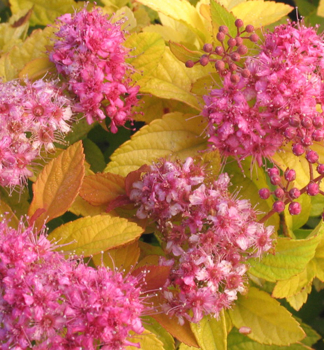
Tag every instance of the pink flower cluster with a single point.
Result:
(90, 55)
(32, 117)
(276, 103)
(48, 302)
(208, 235)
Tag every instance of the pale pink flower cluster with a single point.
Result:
(32, 117)
(208, 235)
(49, 302)
(276, 103)
(89, 53)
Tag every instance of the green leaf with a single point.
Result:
(153, 326)
(312, 336)
(270, 323)
(295, 284)
(93, 156)
(91, 235)
(172, 80)
(20, 55)
(147, 51)
(183, 54)
(238, 341)
(319, 254)
(249, 181)
(260, 13)
(291, 258)
(176, 134)
(146, 340)
(221, 16)
(17, 201)
(211, 333)
(44, 12)
(294, 222)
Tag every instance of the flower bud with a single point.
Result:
(235, 78)
(298, 149)
(235, 56)
(220, 65)
(318, 122)
(249, 28)
(264, 193)
(242, 50)
(208, 48)
(312, 157)
(294, 120)
(318, 135)
(290, 175)
(219, 50)
(294, 208)
(320, 169)
(275, 179)
(254, 38)
(239, 23)
(312, 188)
(231, 42)
(279, 192)
(273, 171)
(223, 29)
(204, 60)
(239, 41)
(278, 206)
(189, 64)
(245, 73)
(306, 122)
(220, 36)
(294, 193)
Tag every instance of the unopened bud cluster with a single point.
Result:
(230, 51)
(285, 190)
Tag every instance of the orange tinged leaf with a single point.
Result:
(100, 189)
(154, 277)
(58, 185)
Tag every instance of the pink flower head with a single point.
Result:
(208, 236)
(276, 104)
(90, 55)
(32, 116)
(58, 303)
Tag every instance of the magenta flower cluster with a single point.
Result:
(276, 103)
(32, 117)
(89, 54)
(48, 302)
(208, 235)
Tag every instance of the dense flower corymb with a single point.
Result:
(276, 103)
(48, 302)
(90, 55)
(32, 117)
(208, 235)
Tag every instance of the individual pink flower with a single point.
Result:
(90, 55)
(207, 233)
(276, 104)
(49, 302)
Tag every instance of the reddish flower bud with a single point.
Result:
(219, 50)
(242, 50)
(294, 208)
(239, 41)
(273, 171)
(233, 67)
(307, 141)
(318, 135)
(220, 36)
(239, 23)
(231, 42)
(306, 122)
(223, 29)
(245, 73)
(235, 56)
(189, 64)
(220, 65)
(298, 149)
(208, 48)
(320, 169)
(294, 120)
(204, 60)
(249, 28)
(312, 157)
(278, 206)
(279, 192)
(264, 193)
(318, 122)
(235, 78)
(312, 188)
(254, 38)
(290, 175)
(290, 133)
(294, 193)
(275, 179)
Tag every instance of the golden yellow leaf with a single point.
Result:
(92, 235)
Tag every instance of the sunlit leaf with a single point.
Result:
(153, 326)
(221, 16)
(123, 258)
(58, 184)
(260, 13)
(147, 50)
(176, 134)
(238, 341)
(211, 333)
(44, 12)
(291, 258)
(270, 322)
(298, 300)
(172, 80)
(147, 341)
(182, 11)
(100, 189)
(182, 53)
(91, 235)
